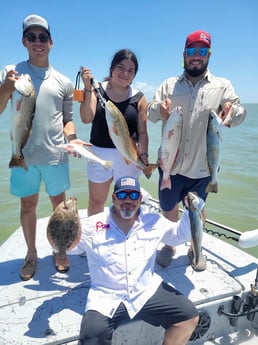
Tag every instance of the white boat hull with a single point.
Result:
(48, 308)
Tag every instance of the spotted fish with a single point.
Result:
(198, 260)
(23, 107)
(64, 226)
(214, 139)
(119, 133)
(171, 135)
(86, 153)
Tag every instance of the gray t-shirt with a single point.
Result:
(54, 108)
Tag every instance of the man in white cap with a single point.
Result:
(51, 126)
(197, 91)
(121, 245)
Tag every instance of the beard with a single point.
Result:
(127, 214)
(195, 72)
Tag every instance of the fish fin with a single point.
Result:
(199, 265)
(133, 143)
(18, 161)
(174, 162)
(108, 164)
(149, 170)
(212, 188)
(115, 131)
(127, 161)
(18, 105)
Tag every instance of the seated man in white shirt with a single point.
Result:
(121, 245)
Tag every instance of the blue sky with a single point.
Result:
(90, 32)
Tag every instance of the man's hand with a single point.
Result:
(226, 114)
(10, 79)
(76, 141)
(165, 108)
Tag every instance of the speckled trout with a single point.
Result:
(198, 261)
(171, 135)
(214, 139)
(23, 107)
(119, 133)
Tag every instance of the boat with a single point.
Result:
(48, 308)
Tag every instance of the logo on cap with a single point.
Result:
(198, 36)
(35, 20)
(127, 181)
(204, 38)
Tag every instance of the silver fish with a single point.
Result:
(86, 153)
(23, 107)
(198, 261)
(64, 226)
(214, 139)
(171, 135)
(119, 133)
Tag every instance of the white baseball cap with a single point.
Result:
(35, 20)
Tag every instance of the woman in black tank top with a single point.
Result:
(132, 104)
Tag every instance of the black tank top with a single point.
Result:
(129, 108)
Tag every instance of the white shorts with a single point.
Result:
(98, 174)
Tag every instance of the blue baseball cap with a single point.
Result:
(127, 183)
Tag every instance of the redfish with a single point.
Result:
(23, 107)
(171, 135)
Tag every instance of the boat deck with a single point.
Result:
(48, 308)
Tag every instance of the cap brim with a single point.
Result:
(37, 26)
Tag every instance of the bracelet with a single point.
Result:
(71, 137)
(144, 154)
(87, 90)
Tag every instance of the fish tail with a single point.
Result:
(199, 263)
(212, 188)
(107, 164)
(165, 184)
(149, 170)
(18, 161)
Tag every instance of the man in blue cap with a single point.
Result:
(121, 244)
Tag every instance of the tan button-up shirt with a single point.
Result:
(210, 93)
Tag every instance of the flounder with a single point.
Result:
(64, 226)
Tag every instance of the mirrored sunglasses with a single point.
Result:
(201, 51)
(134, 195)
(42, 38)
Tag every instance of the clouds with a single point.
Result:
(147, 89)
(89, 34)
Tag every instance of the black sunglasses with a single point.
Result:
(43, 38)
(134, 195)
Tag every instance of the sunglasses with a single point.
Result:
(132, 195)
(33, 38)
(201, 51)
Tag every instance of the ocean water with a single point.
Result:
(235, 204)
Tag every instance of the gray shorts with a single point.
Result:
(165, 308)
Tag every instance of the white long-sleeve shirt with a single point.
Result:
(210, 93)
(122, 266)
